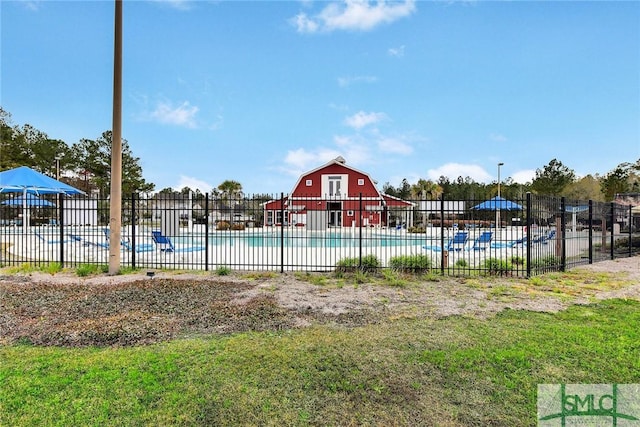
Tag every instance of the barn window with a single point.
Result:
(309, 183)
(361, 181)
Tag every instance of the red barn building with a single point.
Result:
(333, 195)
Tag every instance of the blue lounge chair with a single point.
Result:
(165, 244)
(49, 241)
(544, 238)
(141, 247)
(457, 243)
(510, 243)
(482, 242)
(86, 242)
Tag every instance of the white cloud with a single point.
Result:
(362, 119)
(353, 15)
(348, 81)
(182, 115)
(454, 170)
(524, 176)
(301, 160)
(352, 148)
(396, 51)
(393, 145)
(193, 183)
(304, 24)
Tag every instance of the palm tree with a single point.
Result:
(423, 189)
(230, 191)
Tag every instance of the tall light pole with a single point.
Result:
(498, 201)
(115, 208)
(58, 167)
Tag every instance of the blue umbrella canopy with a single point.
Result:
(497, 203)
(31, 200)
(27, 181)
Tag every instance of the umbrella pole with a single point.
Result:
(25, 218)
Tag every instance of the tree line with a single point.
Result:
(554, 179)
(87, 166)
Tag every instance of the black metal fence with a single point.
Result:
(525, 237)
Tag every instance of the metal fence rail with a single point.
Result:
(530, 236)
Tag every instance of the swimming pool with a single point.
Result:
(306, 239)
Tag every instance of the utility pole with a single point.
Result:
(115, 202)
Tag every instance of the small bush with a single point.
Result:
(52, 268)
(24, 268)
(88, 269)
(517, 260)
(498, 266)
(347, 262)
(238, 226)
(623, 243)
(548, 261)
(415, 263)
(461, 263)
(223, 270)
(369, 263)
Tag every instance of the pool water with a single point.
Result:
(307, 240)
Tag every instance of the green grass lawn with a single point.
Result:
(451, 371)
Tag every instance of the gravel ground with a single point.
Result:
(133, 309)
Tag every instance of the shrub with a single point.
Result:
(88, 269)
(623, 243)
(223, 270)
(548, 261)
(419, 262)
(369, 263)
(498, 266)
(52, 268)
(461, 263)
(237, 226)
(517, 260)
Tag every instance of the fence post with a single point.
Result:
(133, 230)
(527, 242)
(281, 232)
(443, 258)
(630, 234)
(590, 231)
(61, 227)
(360, 233)
(612, 237)
(206, 232)
(563, 235)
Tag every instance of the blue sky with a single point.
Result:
(262, 91)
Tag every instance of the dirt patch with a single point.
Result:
(134, 309)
